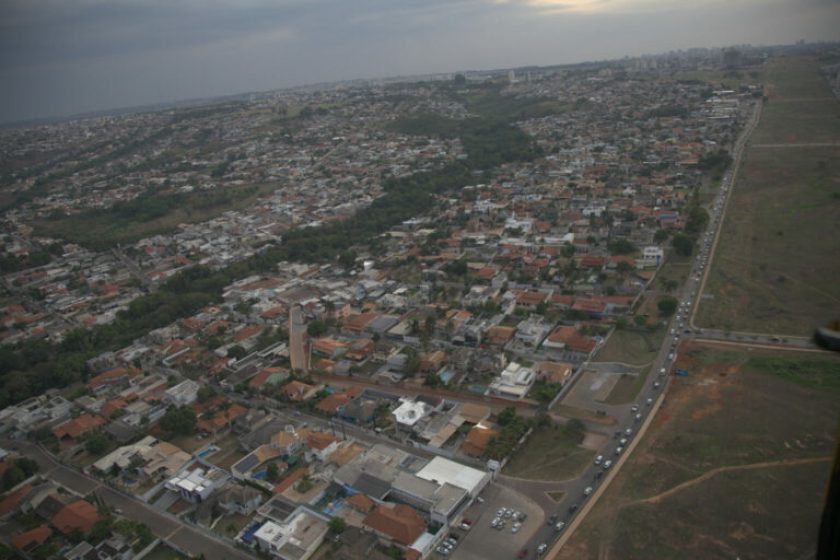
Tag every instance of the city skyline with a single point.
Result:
(59, 60)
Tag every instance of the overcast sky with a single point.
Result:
(61, 57)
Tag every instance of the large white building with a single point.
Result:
(295, 539)
(514, 381)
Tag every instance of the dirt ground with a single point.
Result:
(734, 465)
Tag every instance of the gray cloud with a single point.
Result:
(66, 56)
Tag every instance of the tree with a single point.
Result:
(506, 416)
(660, 235)
(272, 473)
(316, 328)
(205, 393)
(13, 476)
(667, 306)
(683, 244)
(337, 525)
(236, 352)
(179, 421)
(96, 444)
(622, 247)
(459, 79)
(347, 259)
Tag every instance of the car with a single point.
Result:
(662, 371)
(573, 508)
(607, 465)
(634, 408)
(523, 553)
(622, 442)
(508, 514)
(501, 512)
(441, 550)
(559, 526)
(618, 450)
(516, 527)
(480, 500)
(598, 460)
(638, 417)
(587, 491)
(522, 516)
(464, 527)
(542, 548)
(628, 432)
(649, 401)
(656, 384)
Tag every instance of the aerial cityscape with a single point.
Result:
(582, 310)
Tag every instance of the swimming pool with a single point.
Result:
(446, 375)
(248, 534)
(209, 450)
(259, 475)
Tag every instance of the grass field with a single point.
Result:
(549, 454)
(734, 465)
(775, 269)
(636, 347)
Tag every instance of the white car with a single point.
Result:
(599, 459)
(587, 491)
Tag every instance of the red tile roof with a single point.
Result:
(31, 539)
(12, 499)
(78, 426)
(79, 515)
(400, 523)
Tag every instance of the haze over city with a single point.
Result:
(60, 58)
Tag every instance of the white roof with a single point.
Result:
(410, 411)
(442, 470)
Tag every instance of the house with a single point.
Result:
(221, 420)
(69, 433)
(112, 377)
(268, 377)
(183, 393)
(78, 516)
(360, 503)
(30, 540)
(242, 500)
(320, 445)
(297, 538)
(288, 441)
(243, 468)
(399, 525)
(477, 440)
(554, 372)
(197, 485)
(10, 501)
(360, 350)
(433, 361)
(500, 335)
(531, 331)
(298, 391)
(514, 381)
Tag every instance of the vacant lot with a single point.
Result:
(635, 347)
(549, 454)
(776, 266)
(734, 465)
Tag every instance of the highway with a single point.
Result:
(634, 419)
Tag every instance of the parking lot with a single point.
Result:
(483, 541)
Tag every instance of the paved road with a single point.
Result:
(167, 527)
(629, 421)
